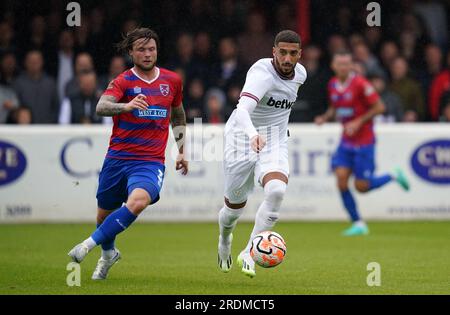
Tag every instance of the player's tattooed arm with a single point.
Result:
(178, 120)
(108, 106)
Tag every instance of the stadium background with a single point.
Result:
(48, 171)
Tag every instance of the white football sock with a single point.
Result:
(360, 223)
(268, 211)
(90, 243)
(227, 221)
(108, 254)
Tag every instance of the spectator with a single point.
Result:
(203, 56)
(184, 58)
(439, 86)
(412, 38)
(373, 36)
(202, 47)
(54, 22)
(215, 109)
(80, 108)
(195, 98)
(445, 109)
(355, 39)
(37, 90)
(8, 69)
(82, 35)
(335, 43)
(233, 95)
(408, 90)
(362, 54)
(6, 38)
(255, 43)
(360, 68)
(433, 14)
(394, 107)
(230, 22)
(342, 20)
(433, 66)
(285, 17)
(116, 67)
(229, 69)
(38, 39)
(65, 62)
(312, 95)
(99, 40)
(409, 49)
(20, 116)
(83, 63)
(8, 102)
(388, 52)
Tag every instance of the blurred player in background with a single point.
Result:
(354, 102)
(142, 101)
(256, 137)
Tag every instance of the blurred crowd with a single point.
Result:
(51, 73)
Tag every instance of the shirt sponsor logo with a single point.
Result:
(344, 112)
(431, 161)
(283, 104)
(152, 113)
(12, 163)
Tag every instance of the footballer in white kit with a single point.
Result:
(256, 136)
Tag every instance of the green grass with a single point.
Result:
(181, 259)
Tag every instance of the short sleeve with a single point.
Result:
(369, 93)
(178, 98)
(115, 88)
(257, 82)
(330, 93)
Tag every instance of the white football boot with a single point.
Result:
(225, 260)
(78, 252)
(103, 266)
(246, 263)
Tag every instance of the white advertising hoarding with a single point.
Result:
(50, 174)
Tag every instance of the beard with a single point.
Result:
(284, 72)
(144, 67)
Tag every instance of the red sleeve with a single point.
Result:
(330, 102)
(435, 93)
(178, 92)
(369, 93)
(115, 88)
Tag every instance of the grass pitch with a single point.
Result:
(181, 259)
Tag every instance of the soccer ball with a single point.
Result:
(268, 249)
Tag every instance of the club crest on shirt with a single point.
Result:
(137, 90)
(164, 88)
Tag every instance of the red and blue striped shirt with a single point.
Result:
(142, 134)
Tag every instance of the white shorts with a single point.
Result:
(242, 166)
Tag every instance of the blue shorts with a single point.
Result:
(361, 159)
(118, 178)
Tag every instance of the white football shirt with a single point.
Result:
(274, 95)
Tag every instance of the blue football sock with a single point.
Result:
(115, 223)
(376, 182)
(350, 205)
(107, 245)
